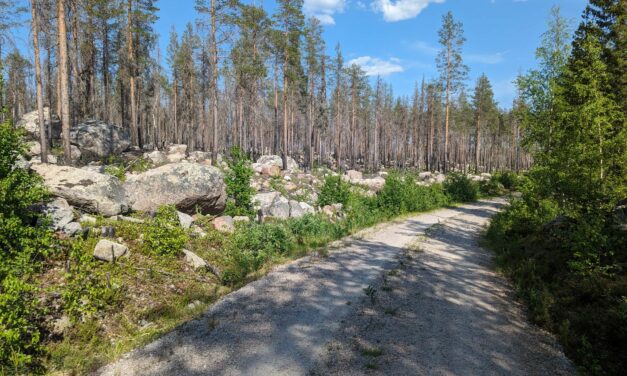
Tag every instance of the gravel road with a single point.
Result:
(439, 310)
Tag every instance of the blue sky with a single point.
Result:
(398, 38)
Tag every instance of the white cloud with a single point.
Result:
(324, 10)
(399, 10)
(494, 58)
(374, 66)
(325, 19)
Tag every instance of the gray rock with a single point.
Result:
(88, 219)
(33, 148)
(353, 175)
(60, 325)
(199, 156)
(22, 163)
(157, 157)
(92, 192)
(198, 232)
(296, 211)
(373, 184)
(72, 228)
(51, 159)
(194, 261)
(98, 140)
(224, 224)
(94, 168)
(275, 160)
(30, 123)
(188, 186)
(263, 201)
(106, 250)
(185, 220)
(176, 153)
(241, 218)
(280, 208)
(58, 212)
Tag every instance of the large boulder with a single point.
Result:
(176, 153)
(374, 184)
(89, 191)
(263, 201)
(188, 186)
(275, 160)
(30, 123)
(299, 209)
(354, 175)
(280, 208)
(271, 171)
(98, 140)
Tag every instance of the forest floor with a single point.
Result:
(414, 297)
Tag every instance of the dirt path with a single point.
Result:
(439, 311)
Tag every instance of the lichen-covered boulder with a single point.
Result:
(98, 140)
(299, 209)
(157, 157)
(188, 186)
(275, 160)
(86, 190)
(30, 123)
(354, 175)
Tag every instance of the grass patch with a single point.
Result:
(373, 352)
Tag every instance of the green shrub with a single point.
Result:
(569, 276)
(87, 290)
(395, 194)
(117, 171)
(164, 235)
(237, 179)
(334, 191)
(251, 246)
(508, 179)
(23, 247)
(460, 188)
(491, 187)
(313, 230)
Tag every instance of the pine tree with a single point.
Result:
(453, 72)
(485, 111)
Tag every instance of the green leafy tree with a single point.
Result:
(238, 189)
(537, 87)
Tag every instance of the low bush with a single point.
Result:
(23, 248)
(251, 246)
(402, 195)
(88, 291)
(334, 190)
(460, 188)
(491, 187)
(508, 179)
(568, 272)
(164, 235)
